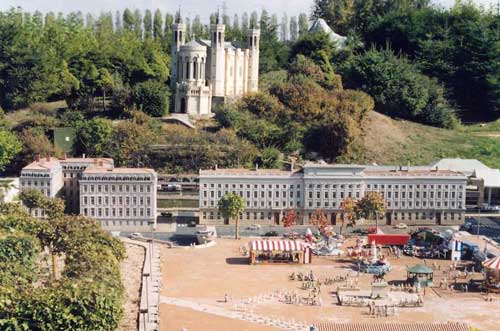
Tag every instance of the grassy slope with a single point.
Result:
(389, 141)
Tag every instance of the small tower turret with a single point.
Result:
(253, 40)
(217, 33)
(179, 35)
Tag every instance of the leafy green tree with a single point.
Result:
(151, 97)
(128, 20)
(398, 88)
(10, 146)
(303, 24)
(294, 28)
(92, 136)
(157, 25)
(32, 198)
(271, 158)
(336, 13)
(349, 208)
(148, 24)
(137, 19)
(231, 206)
(371, 205)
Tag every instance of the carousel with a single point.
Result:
(373, 264)
(420, 276)
(492, 275)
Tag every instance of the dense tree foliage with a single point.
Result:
(66, 58)
(398, 88)
(307, 113)
(10, 146)
(459, 46)
(89, 293)
(151, 97)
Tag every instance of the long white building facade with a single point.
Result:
(413, 195)
(205, 72)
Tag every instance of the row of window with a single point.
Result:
(256, 194)
(34, 174)
(105, 200)
(255, 186)
(115, 188)
(117, 212)
(395, 204)
(35, 183)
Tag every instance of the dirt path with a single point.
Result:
(131, 271)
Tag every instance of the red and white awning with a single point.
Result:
(493, 263)
(277, 245)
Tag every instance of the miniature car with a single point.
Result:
(271, 234)
(402, 226)
(135, 235)
(253, 227)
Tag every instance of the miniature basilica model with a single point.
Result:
(208, 72)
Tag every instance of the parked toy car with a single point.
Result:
(271, 234)
(135, 235)
(402, 226)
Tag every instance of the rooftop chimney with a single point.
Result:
(37, 158)
(256, 166)
(216, 167)
(65, 156)
(83, 156)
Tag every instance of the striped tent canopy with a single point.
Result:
(328, 326)
(277, 245)
(493, 263)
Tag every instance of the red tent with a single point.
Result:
(389, 239)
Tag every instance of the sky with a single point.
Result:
(190, 8)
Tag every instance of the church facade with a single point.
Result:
(205, 72)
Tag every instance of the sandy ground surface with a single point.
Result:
(130, 270)
(204, 276)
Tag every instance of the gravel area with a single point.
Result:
(131, 270)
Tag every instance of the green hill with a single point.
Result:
(389, 141)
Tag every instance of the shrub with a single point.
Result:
(151, 97)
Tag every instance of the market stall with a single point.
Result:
(492, 274)
(279, 251)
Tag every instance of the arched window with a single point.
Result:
(175, 36)
(220, 38)
(255, 41)
(214, 38)
(188, 71)
(180, 36)
(195, 69)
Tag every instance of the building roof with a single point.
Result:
(43, 164)
(104, 170)
(246, 172)
(413, 173)
(86, 160)
(194, 44)
(227, 44)
(450, 326)
(471, 167)
(419, 269)
(463, 165)
(321, 25)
